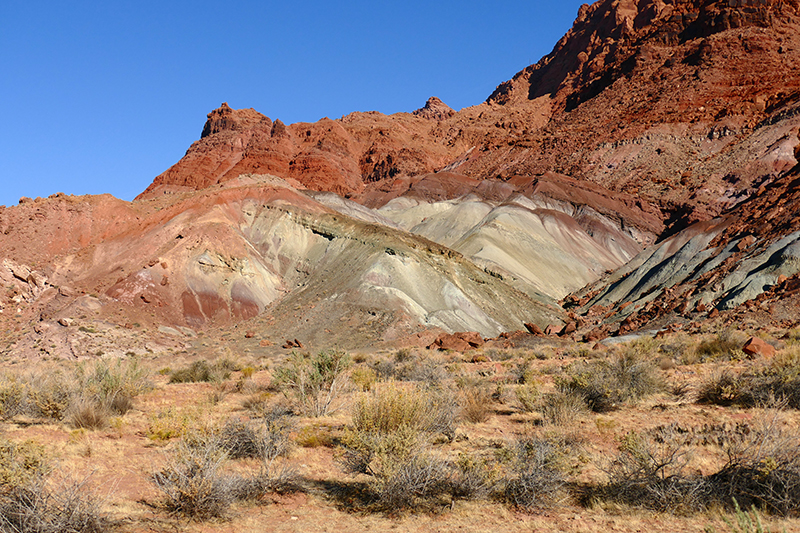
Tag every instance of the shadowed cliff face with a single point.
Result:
(612, 38)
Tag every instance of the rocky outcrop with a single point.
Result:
(435, 109)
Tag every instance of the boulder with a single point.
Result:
(570, 328)
(533, 329)
(447, 341)
(597, 334)
(552, 329)
(756, 346)
(473, 338)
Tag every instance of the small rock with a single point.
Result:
(249, 334)
(264, 343)
(66, 322)
(714, 313)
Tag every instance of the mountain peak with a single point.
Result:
(435, 109)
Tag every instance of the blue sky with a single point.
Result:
(103, 96)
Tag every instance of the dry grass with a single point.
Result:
(406, 455)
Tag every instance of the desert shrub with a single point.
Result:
(726, 344)
(605, 385)
(409, 366)
(12, 397)
(475, 404)
(722, 387)
(195, 482)
(83, 413)
(268, 439)
(533, 478)
(475, 477)
(393, 406)
(84, 399)
(200, 372)
(763, 468)
(528, 397)
(37, 507)
(112, 385)
(316, 383)
(393, 429)
(48, 395)
(522, 372)
(652, 473)
(364, 378)
(21, 464)
(169, 424)
(314, 436)
(562, 409)
(780, 379)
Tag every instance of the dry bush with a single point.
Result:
(84, 399)
(267, 439)
(763, 468)
(418, 481)
(12, 397)
(84, 413)
(722, 387)
(780, 379)
(475, 477)
(113, 385)
(562, 409)
(528, 396)
(410, 366)
(652, 472)
(21, 464)
(533, 478)
(48, 395)
(194, 484)
(393, 428)
(393, 406)
(475, 404)
(606, 385)
(727, 345)
(200, 372)
(38, 508)
(31, 501)
(316, 383)
(194, 480)
(364, 378)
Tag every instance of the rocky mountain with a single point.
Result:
(643, 174)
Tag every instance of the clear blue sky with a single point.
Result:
(103, 96)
